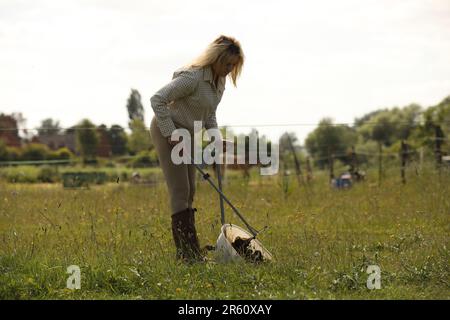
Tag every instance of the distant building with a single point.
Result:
(56, 141)
(104, 148)
(68, 139)
(9, 131)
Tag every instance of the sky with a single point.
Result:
(305, 60)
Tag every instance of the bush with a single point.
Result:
(110, 164)
(83, 179)
(48, 174)
(144, 159)
(61, 154)
(90, 161)
(35, 152)
(8, 153)
(14, 153)
(20, 174)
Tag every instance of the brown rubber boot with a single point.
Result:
(185, 236)
(176, 233)
(194, 239)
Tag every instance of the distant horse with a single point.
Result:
(243, 167)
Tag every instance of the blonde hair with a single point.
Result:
(218, 50)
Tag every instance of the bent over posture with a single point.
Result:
(193, 95)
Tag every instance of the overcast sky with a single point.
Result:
(75, 59)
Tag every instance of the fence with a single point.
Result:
(403, 156)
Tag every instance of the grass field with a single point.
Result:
(322, 240)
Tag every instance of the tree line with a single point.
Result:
(383, 130)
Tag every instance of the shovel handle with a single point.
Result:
(222, 209)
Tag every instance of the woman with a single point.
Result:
(192, 95)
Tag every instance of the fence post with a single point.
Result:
(331, 163)
(404, 155)
(285, 177)
(439, 136)
(309, 175)
(421, 159)
(380, 150)
(353, 163)
(298, 170)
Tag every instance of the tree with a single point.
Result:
(438, 115)
(118, 138)
(140, 138)
(436, 122)
(87, 139)
(49, 127)
(407, 120)
(330, 140)
(288, 144)
(389, 126)
(383, 130)
(285, 141)
(367, 117)
(134, 107)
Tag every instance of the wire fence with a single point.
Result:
(356, 152)
(411, 124)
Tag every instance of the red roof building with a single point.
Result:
(9, 131)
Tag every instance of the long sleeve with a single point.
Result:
(211, 124)
(182, 85)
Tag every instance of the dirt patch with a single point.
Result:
(244, 248)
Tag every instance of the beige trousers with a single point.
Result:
(180, 178)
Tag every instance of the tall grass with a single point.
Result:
(322, 240)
